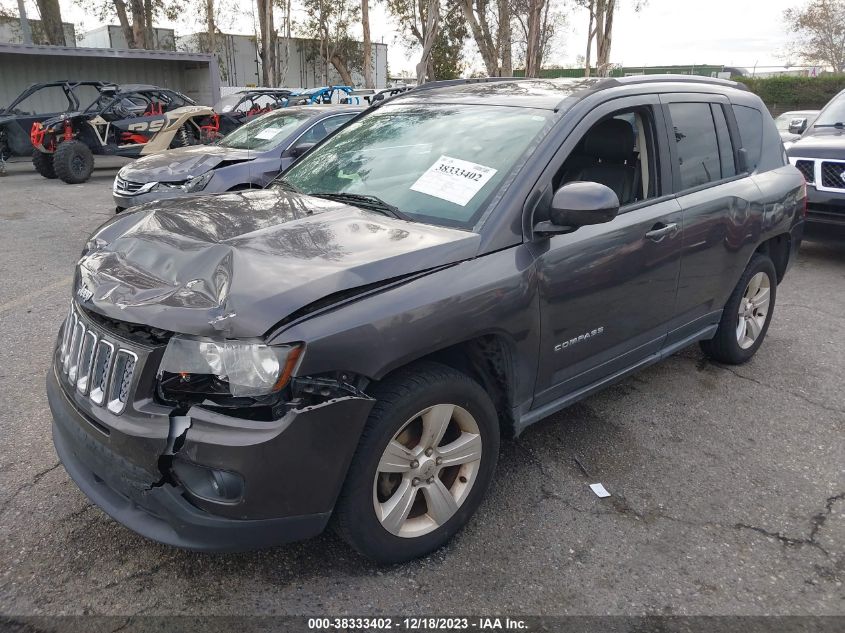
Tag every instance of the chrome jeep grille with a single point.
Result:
(123, 187)
(95, 366)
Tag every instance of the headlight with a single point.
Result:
(206, 367)
(189, 186)
(198, 183)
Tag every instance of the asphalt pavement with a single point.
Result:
(727, 483)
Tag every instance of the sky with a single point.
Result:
(666, 32)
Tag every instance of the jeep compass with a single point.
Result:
(457, 263)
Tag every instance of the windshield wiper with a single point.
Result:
(838, 125)
(371, 203)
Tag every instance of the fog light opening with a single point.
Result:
(211, 484)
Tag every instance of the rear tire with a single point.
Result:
(43, 164)
(73, 162)
(393, 511)
(747, 314)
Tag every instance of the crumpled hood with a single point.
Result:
(238, 263)
(183, 163)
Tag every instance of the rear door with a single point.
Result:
(721, 225)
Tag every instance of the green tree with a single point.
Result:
(447, 57)
(328, 23)
(135, 18)
(445, 60)
(51, 22)
(491, 29)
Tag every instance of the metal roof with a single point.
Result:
(130, 53)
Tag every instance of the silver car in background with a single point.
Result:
(248, 158)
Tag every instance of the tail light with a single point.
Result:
(804, 196)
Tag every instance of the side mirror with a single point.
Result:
(298, 150)
(798, 126)
(578, 204)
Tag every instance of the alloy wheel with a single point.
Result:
(753, 310)
(427, 470)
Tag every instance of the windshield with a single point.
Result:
(834, 112)
(437, 163)
(266, 132)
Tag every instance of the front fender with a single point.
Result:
(492, 294)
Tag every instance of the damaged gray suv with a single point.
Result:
(461, 261)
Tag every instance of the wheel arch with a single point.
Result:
(487, 358)
(778, 249)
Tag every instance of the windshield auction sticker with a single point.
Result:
(453, 180)
(268, 133)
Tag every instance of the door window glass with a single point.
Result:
(750, 123)
(617, 152)
(698, 148)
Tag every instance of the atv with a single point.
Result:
(237, 108)
(38, 103)
(129, 121)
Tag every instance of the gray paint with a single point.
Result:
(270, 264)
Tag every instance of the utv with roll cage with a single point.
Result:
(129, 121)
(36, 104)
(243, 106)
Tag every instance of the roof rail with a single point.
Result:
(692, 79)
(444, 83)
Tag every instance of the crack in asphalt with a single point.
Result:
(817, 521)
(795, 394)
(141, 573)
(29, 484)
(623, 508)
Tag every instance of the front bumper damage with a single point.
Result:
(292, 468)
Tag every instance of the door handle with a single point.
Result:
(660, 230)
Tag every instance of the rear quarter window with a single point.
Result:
(750, 124)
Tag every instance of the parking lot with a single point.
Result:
(727, 483)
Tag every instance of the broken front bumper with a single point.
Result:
(292, 470)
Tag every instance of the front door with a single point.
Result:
(607, 292)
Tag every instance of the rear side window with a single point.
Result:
(698, 147)
(726, 150)
(750, 123)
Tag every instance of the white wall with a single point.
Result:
(236, 56)
(10, 31)
(305, 72)
(111, 36)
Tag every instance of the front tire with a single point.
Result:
(747, 314)
(43, 164)
(423, 464)
(73, 162)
